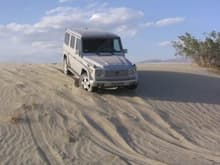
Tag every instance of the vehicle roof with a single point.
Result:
(88, 33)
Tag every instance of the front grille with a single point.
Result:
(116, 73)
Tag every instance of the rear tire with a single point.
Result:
(85, 84)
(65, 67)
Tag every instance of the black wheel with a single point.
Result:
(133, 86)
(85, 84)
(65, 67)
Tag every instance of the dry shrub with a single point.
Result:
(20, 116)
(17, 118)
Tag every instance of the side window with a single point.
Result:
(67, 38)
(77, 44)
(72, 42)
(117, 46)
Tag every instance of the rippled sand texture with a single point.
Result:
(172, 118)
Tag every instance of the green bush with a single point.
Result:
(205, 52)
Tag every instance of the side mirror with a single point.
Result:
(125, 51)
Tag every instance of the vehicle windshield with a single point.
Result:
(98, 45)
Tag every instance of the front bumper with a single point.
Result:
(115, 83)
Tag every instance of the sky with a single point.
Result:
(32, 31)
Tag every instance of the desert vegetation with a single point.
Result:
(205, 52)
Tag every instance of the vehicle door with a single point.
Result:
(75, 60)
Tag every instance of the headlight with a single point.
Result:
(99, 73)
(132, 70)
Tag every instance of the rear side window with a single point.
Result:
(67, 38)
(72, 42)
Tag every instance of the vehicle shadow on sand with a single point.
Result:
(173, 86)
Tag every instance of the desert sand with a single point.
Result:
(172, 118)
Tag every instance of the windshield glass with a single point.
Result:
(97, 45)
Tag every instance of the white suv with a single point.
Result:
(98, 60)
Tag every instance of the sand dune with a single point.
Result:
(172, 118)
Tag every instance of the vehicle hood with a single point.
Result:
(109, 61)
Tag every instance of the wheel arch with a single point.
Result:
(64, 56)
(84, 71)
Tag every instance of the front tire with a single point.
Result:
(85, 84)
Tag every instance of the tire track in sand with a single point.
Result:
(47, 153)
